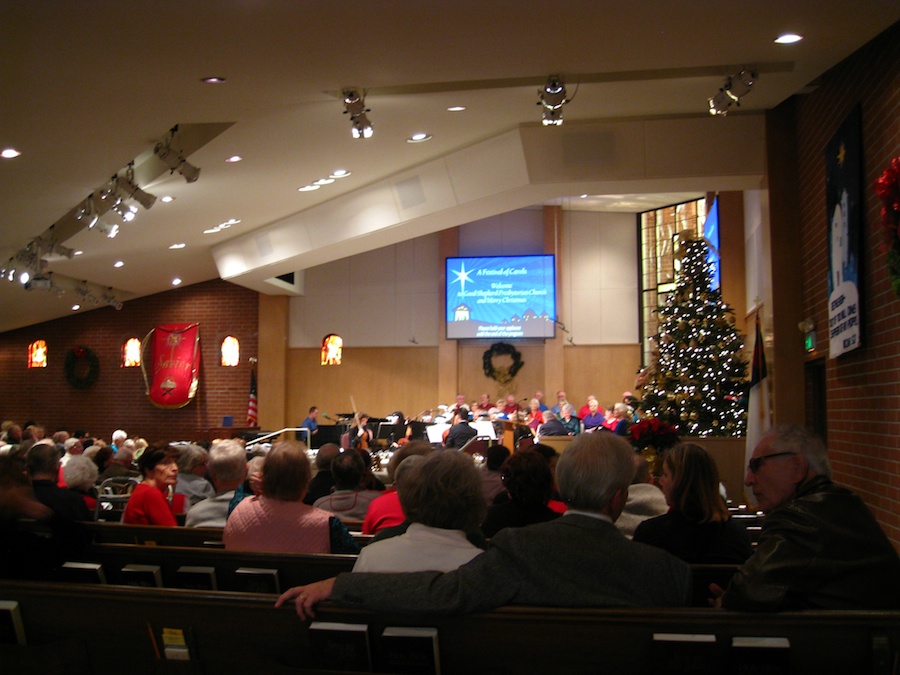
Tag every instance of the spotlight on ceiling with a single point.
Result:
(734, 89)
(84, 293)
(552, 99)
(125, 211)
(355, 106)
(105, 228)
(110, 299)
(43, 282)
(173, 159)
(87, 212)
(130, 190)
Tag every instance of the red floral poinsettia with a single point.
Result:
(887, 187)
(652, 431)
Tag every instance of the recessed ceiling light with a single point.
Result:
(324, 181)
(177, 246)
(212, 230)
(176, 281)
(234, 158)
(215, 79)
(456, 108)
(584, 196)
(788, 39)
(78, 253)
(308, 188)
(119, 263)
(339, 173)
(10, 153)
(228, 223)
(75, 308)
(420, 137)
(167, 199)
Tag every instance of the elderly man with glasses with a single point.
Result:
(820, 547)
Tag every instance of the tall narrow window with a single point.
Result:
(131, 353)
(661, 231)
(37, 354)
(231, 351)
(332, 350)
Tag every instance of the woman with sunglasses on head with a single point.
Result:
(697, 528)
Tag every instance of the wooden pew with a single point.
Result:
(292, 569)
(232, 632)
(154, 535)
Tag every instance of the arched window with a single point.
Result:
(332, 350)
(231, 351)
(37, 354)
(131, 353)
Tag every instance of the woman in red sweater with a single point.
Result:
(148, 504)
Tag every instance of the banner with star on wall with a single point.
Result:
(171, 364)
(843, 198)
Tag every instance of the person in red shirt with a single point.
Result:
(148, 504)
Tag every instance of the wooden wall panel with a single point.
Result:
(603, 370)
(381, 379)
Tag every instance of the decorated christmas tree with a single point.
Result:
(698, 383)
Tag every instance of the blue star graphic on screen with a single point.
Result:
(462, 277)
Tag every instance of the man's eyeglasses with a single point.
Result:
(756, 462)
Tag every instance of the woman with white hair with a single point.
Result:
(80, 474)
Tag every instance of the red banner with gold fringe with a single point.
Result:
(171, 364)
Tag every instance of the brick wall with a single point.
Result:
(118, 399)
(862, 387)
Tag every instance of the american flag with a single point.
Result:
(252, 415)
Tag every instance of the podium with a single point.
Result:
(508, 433)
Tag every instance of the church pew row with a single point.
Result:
(200, 568)
(291, 569)
(232, 632)
(208, 537)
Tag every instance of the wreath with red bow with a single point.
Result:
(82, 367)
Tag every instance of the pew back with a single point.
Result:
(231, 632)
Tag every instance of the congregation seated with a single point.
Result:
(697, 527)
(192, 483)
(529, 484)
(552, 426)
(323, 482)
(252, 485)
(24, 553)
(491, 478)
(535, 417)
(147, 504)
(42, 462)
(386, 511)
(645, 499)
(349, 501)
(441, 497)
(578, 560)
(820, 547)
(278, 521)
(121, 464)
(227, 469)
(80, 474)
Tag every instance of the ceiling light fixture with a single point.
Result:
(734, 89)
(552, 99)
(355, 106)
(87, 212)
(10, 153)
(339, 173)
(105, 228)
(788, 39)
(110, 299)
(130, 190)
(420, 137)
(173, 158)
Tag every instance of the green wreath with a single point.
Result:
(502, 349)
(82, 367)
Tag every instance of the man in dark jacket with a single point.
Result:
(820, 547)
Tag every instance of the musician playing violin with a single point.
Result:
(361, 436)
